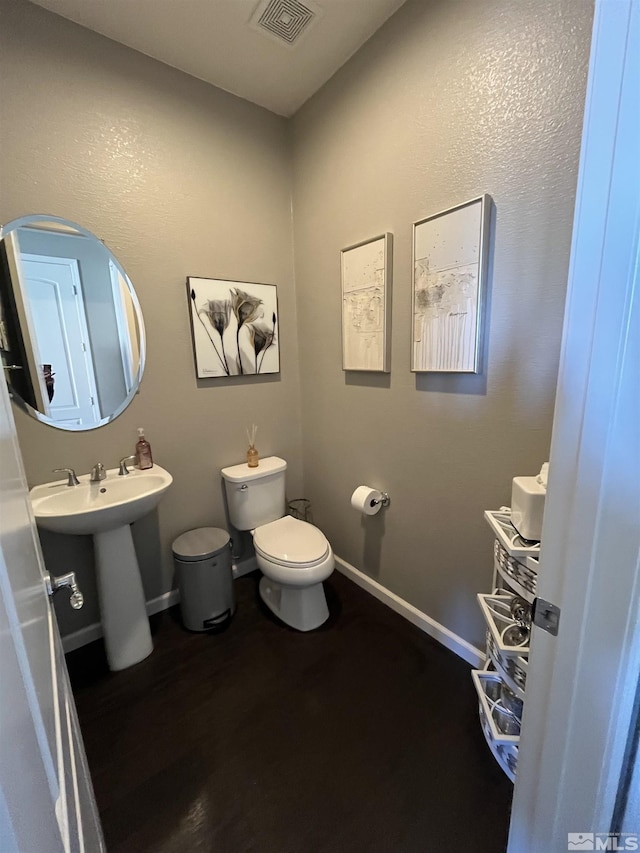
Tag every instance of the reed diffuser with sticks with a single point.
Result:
(252, 452)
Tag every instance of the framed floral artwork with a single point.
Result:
(234, 326)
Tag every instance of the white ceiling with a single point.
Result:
(213, 40)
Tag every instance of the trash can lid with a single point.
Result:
(200, 544)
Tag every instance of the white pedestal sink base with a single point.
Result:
(123, 611)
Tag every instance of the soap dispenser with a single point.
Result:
(143, 451)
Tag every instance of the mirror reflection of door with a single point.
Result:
(61, 336)
(74, 358)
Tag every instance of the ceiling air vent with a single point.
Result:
(285, 20)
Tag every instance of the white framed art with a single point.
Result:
(234, 326)
(450, 254)
(366, 304)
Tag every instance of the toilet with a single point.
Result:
(293, 555)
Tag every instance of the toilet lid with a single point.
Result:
(289, 540)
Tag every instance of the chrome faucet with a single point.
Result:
(73, 480)
(123, 465)
(97, 473)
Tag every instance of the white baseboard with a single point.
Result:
(163, 602)
(244, 567)
(434, 629)
(71, 642)
(88, 634)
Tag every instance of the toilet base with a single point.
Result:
(302, 608)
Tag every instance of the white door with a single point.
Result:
(46, 796)
(578, 744)
(59, 320)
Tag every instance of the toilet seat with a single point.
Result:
(293, 552)
(291, 542)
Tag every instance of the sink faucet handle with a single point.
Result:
(98, 473)
(73, 480)
(123, 465)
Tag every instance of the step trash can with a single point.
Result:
(202, 559)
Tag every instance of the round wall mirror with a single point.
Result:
(72, 338)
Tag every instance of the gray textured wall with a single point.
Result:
(445, 102)
(179, 179)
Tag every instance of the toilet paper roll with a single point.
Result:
(364, 500)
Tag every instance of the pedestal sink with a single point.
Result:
(106, 510)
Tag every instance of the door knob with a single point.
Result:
(69, 580)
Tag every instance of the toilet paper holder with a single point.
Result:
(369, 501)
(384, 499)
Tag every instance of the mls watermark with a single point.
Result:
(603, 841)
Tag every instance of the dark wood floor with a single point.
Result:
(361, 736)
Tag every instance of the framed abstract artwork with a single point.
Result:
(366, 304)
(450, 253)
(234, 326)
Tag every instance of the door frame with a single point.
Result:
(25, 323)
(46, 793)
(582, 684)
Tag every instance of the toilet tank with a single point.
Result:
(255, 496)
